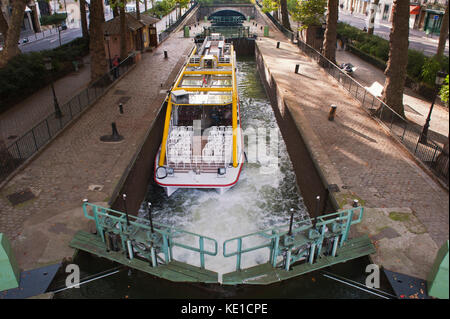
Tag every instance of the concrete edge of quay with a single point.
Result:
(384, 256)
(64, 129)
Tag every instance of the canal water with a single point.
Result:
(261, 199)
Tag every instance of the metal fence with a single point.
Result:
(430, 153)
(163, 35)
(13, 155)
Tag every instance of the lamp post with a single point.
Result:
(107, 37)
(48, 67)
(440, 76)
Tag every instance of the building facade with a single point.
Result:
(425, 15)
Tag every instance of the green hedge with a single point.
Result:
(420, 67)
(54, 19)
(25, 73)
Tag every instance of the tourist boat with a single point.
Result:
(202, 144)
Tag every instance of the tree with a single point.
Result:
(309, 13)
(285, 14)
(398, 57)
(123, 30)
(443, 93)
(373, 13)
(115, 4)
(96, 40)
(443, 34)
(3, 26)
(84, 26)
(138, 10)
(329, 42)
(11, 48)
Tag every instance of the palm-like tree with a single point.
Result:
(398, 57)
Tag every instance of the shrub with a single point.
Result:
(443, 93)
(25, 73)
(420, 67)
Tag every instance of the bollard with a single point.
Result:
(278, 44)
(332, 112)
(297, 66)
(120, 109)
(124, 197)
(149, 205)
(290, 223)
(317, 210)
(165, 54)
(115, 133)
(355, 203)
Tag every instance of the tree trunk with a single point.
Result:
(285, 14)
(145, 5)
(138, 10)
(329, 43)
(115, 7)
(123, 31)
(398, 57)
(373, 13)
(96, 40)
(11, 48)
(443, 35)
(84, 26)
(36, 23)
(3, 26)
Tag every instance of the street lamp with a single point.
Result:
(107, 37)
(440, 76)
(48, 67)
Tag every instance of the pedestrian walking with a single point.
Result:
(116, 63)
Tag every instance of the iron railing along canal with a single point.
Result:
(429, 152)
(163, 35)
(14, 154)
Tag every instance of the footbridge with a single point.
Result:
(244, 10)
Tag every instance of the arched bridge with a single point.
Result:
(225, 9)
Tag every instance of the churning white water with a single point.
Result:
(261, 199)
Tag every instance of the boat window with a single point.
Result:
(217, 115)
(186, 114)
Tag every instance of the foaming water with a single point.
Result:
(261, 199)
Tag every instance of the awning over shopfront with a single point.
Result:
(414, 9)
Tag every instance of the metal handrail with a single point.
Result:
(275, 234)
(168, 233)
(40, 134)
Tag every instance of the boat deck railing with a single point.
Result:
(214, 154)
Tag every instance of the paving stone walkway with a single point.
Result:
(60, 177)
(361, 157)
